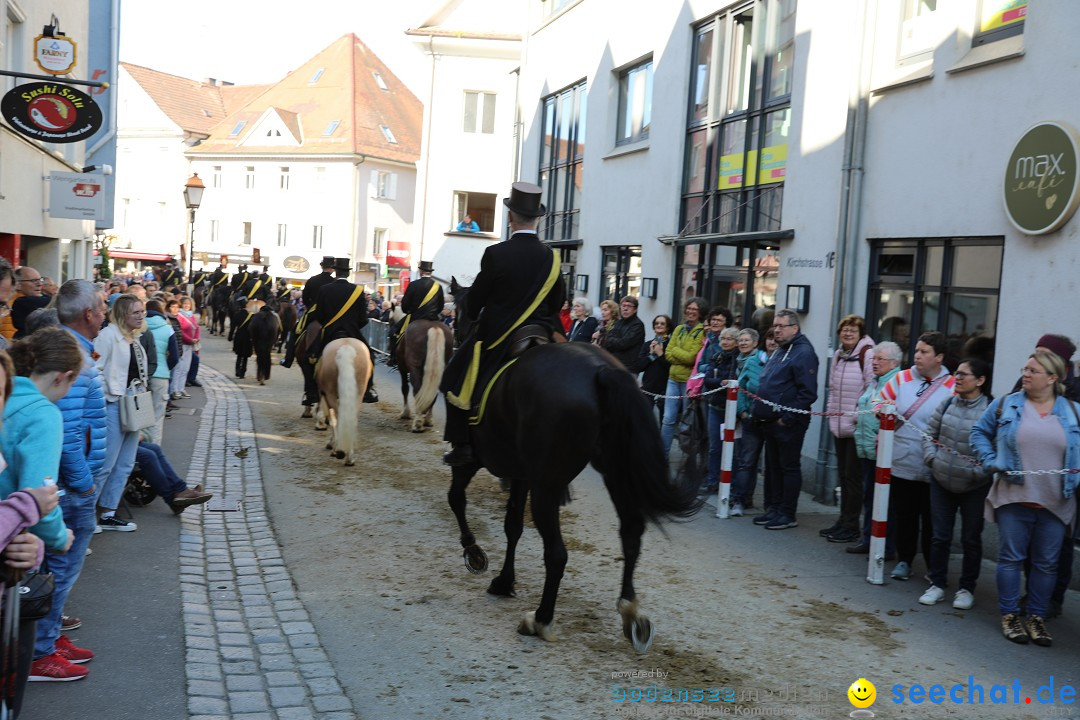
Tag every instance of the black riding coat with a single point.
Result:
(415, 294)
(313, 285)
(215, 278)
(239, 279)
(331, 299)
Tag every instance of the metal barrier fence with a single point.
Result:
(377, 334)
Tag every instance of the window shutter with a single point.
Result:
(391, 191)
(374, 184)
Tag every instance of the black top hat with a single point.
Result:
(524, 200)
(241, 268)
(327, 261)
(342, 264)
(426, 266)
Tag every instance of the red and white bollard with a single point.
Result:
(730, 418)
(882, 476)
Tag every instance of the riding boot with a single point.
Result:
(240, 366)
(457, 433)
(290, 350)
(391, 355)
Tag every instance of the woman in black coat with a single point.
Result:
(583, 323)
(653, 365)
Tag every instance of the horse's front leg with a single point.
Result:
(636, 627)
(475, 557)
(503, 584)
(545, 512)
(405, 412)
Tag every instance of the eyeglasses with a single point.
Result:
(961, 375)
(778, 325)
(1031, 371)
(36, 281)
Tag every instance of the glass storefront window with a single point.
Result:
(702, 73)
(782, 40)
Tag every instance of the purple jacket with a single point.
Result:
(847, 382)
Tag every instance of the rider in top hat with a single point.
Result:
(239, 279)
(199, 277)
(258, 286)
(171, 276)
(423, 300)
(519, 283)
(218, 277)
(342, 313)
(311, 292)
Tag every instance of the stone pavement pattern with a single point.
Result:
(252, 651)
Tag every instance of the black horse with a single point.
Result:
(265, 330)
(558, 408)
(219, 306)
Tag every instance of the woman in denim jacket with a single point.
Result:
(1036, 429)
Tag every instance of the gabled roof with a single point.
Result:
(195, 106)
(347, 92)
(474, 20)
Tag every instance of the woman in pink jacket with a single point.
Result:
(850, 374)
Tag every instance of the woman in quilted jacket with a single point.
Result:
(681, 353)
(851, 374)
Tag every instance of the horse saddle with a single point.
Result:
(526, 337)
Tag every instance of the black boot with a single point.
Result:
(391, 356)
(460, 454)
(370, 396)
(290, 351)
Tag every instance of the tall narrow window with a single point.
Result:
(316, 237)
(249, 177)
(214, 230)
(282, 235)
(283, 178)
(635, 103)
(247, 234)
(378, 241)
(479, 113)
(215, 176)
(562, 162)
(383, 185)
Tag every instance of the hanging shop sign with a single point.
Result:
(1040, 190)
(397, 253)
(80, 196)
(54, 54)
(51, 112)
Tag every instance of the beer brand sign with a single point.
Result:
(54, 54)
(1041, 191)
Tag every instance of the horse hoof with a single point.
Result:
(476, 560)
(349, 463)
(641, 634)
(529, 626)
(307, 413)
(339, 454)
(417, 428)
(501, 587)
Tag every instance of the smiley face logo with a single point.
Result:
(862, 693)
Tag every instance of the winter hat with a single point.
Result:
(1059, 345)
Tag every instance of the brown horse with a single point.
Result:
(312, 328)
(422, 354)
(344, 367)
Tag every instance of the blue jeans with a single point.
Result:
(672, 409)
(943, 508)
(869, 468)
(158, 472)
(747, 454)
(193, 371)
(1023, 529)
(119, 459)
(783, 447)
(715, 416)
(80, 517)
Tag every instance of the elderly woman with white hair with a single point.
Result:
(885, 363)
(583, 324)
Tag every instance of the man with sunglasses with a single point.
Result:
(916, 393)
(788, 379)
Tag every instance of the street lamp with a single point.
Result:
(193, 190)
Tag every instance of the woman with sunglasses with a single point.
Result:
(1036, 430)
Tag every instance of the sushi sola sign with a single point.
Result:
(51, 112)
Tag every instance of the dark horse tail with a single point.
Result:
(631, 453)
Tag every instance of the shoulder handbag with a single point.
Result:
(35, 595)
(696, 382)
(137, 406)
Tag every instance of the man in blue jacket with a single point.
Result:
(789, 380)
(80, 308)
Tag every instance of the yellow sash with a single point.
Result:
(427, 298)
(224, 277)
(356, 293)
(258, 284)
(464, 400)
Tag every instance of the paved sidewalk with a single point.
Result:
(252, 651)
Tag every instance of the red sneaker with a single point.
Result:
(67, 650)
(56, 668)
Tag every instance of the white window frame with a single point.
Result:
(249, 177)
(482, 120)
(283, 180)
(247, 230)
(282, 234)
(215, 229)
(316, 237)
(634, 112)
(383, 185)
(215, 176)
(380, 240)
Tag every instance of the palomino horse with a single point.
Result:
(422, 355)
(344, 367)
(557, 408)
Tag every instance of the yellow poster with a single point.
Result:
(1002, 13)
(731, 171)
(773, 164)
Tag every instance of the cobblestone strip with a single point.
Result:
(252, 651)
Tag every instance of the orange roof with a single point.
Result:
(347, 92)
(194, 106)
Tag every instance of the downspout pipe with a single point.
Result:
(427, 152)
(847, 233)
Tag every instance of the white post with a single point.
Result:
(879, 526)
(730, 418)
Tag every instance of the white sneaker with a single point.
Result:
(964, 600)
(932, 596)
(736, 509)
(97, 529)
(902, 571)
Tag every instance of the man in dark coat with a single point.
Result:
(257, 286)
(311, 292)
(199, 277)
(423, 300)
(519, 284)
(342, 313)
(171, 276)
(239, 279)
(627, 335)
(218, 277)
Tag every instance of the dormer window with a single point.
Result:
(315, 78)
(380, 82)
(331, 128)
(388, 134)
(237, 128)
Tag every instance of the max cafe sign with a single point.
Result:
(51, 112)
(1041, 191)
